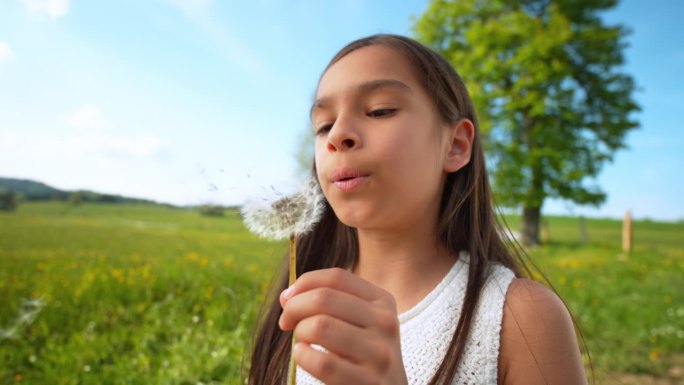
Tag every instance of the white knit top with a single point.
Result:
(427, 328)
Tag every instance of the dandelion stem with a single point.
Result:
(293, 368)
(293, 259)
(293, 276)
(291, 216)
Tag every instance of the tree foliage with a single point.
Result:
(305, 151)
(546, 79)
(8, 200)
(212, 210)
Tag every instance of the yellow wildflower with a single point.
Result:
(117, 274)
(654, 355)
(209, 293)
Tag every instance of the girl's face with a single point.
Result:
(381, 150)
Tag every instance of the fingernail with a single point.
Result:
(288, 292)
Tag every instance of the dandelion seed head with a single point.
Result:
(277, 217)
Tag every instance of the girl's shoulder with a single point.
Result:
(538, 341)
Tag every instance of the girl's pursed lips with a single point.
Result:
(347, 185)
(347, 173)
(347, 178)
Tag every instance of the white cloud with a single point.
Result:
(50, 8)
(87, 116)
(143, 145)
(5, 51)
(99, 145)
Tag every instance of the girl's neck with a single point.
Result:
(408, 264)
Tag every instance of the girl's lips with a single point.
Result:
(347, 179)
(350, 184)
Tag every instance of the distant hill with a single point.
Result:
(36, 191)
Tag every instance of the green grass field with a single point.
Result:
(136, 294)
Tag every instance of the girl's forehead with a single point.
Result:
(364, 65)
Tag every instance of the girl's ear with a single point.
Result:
(459, 143)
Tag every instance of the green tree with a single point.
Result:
(8, 200)
(76, 198)
(553, 104)
(305, 150)
(212, 210)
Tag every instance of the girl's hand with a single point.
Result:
(355, 321)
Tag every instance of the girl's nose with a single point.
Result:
(343, 136)
(346, 144)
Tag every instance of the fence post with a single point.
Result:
(627, 232)
(583, 230)
(545, 232)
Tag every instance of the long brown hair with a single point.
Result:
(467, 221)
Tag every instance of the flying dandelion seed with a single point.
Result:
(278, 217)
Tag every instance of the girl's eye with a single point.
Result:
(324, 129)
(382, 112)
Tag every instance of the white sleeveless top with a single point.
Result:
(427, 328)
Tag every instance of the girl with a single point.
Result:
(406, 279)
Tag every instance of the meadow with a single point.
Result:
(141, 294)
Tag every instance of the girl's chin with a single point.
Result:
(351, 222)
(352, 217)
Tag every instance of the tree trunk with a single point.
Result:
(532, 208)
(530, 226)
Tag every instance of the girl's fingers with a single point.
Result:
(354, 320)
(340, 305)
(342, 280)
(328, 367)
(344, 340)
(337, 292)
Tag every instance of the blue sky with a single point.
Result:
(193, 101)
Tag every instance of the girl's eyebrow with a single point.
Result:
(365, 87)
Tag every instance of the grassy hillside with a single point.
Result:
(144, 294)
(37, 191)
(628, 306)
(110, 294)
